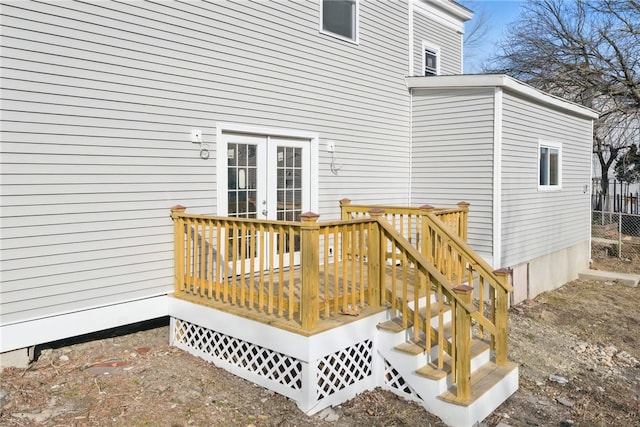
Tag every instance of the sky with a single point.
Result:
(501, 14)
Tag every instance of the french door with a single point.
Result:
(267, 177)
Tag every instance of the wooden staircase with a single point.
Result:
(430, 379)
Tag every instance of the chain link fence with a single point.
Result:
(615, 234)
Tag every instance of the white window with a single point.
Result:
(339, 18)
(549, 165)
(430, 60)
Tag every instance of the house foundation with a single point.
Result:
(549, 272)
(20, 358)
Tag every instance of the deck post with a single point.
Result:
(463, 342)
(178, 247)
(502, 306)
(310, 270)
(343, 208)
(464, 219)
(376, 259)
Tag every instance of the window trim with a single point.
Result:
(434, 49)
(356, 23)
(554, 146)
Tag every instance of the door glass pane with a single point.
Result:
(242, 180)
(289, 186)
(242, 193)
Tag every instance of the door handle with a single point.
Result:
(264, 212)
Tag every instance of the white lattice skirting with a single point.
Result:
(316, 372)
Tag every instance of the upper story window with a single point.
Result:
(430, 60)
(549, 165)
(339, 18)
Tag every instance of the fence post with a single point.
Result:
(310, 270)
(463, 343)
(343, 209)
(502, 306)
(376, 259)
(464, 220)
(178, 247)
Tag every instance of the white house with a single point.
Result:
(113, 112)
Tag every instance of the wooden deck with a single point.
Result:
(347, 269)
(334, 276)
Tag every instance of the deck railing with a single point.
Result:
(345, 266)
(407, 219)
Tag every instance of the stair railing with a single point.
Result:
(462, 266)
(431, 285)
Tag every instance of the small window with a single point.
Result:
(340, 18)
(430, 60)
(549, 166)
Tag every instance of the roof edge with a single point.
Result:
(499, 80)
(452, 7)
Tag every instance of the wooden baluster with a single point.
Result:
(210, 261)
(271, 234)
(310, 263)
(292, 282)
(326, 240)
(502, 306)
(261, 266)
(219, 258)
(243, 264)
(338, 256)
(281, 251)
(463, 342)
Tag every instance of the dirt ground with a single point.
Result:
(577, 347)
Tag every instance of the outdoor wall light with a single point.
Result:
(196, 138)
(335, 163)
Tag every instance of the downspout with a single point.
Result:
(410, 52)
(497, 178)
(410, 147)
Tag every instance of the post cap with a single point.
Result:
(309, 216)
(462, 289)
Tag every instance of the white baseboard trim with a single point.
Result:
(53, 328)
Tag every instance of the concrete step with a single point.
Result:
(627, 279)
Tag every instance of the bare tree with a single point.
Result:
(476, 30)
(587, 52)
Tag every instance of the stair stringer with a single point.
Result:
(426, 391)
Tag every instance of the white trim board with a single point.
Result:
(26, 334)
(497, 177)
(503, 81)
(313, 137)
(447, 13)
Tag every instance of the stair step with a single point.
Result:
(431, 369)
(482, 380)
(393, 325)
(411, 347)
(435, 310)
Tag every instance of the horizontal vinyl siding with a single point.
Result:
(98, 100)
(453, 155)
(436, 34)
(537, 223)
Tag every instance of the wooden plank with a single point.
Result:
(482, 380)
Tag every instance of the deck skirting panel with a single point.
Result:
(316, 372)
